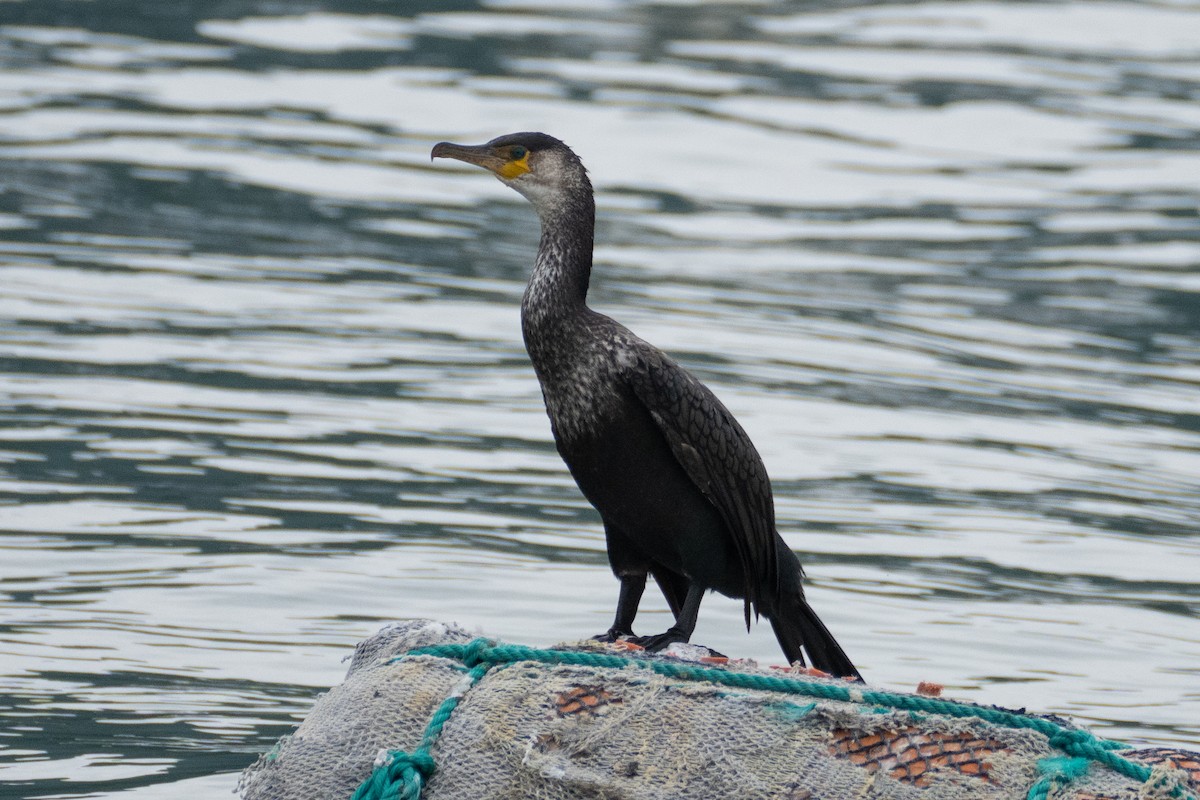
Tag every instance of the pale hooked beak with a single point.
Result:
(481, 155)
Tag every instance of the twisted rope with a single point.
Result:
(1056, 772)
(402, 775)
(1075, 743)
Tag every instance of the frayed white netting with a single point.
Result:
(520, 725)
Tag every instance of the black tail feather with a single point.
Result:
(798, 628)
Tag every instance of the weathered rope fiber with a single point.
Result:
(403, 776)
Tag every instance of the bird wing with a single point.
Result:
(717, 454)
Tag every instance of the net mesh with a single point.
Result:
(533, 729)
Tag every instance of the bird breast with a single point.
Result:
(582, 379)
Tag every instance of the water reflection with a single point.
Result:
(264, 385)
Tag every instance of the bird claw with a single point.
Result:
(613, 635)
(660, 641)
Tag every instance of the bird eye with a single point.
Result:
(518, 153)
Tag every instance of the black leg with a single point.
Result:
(632, 587)
(685, 623)
(674, 587)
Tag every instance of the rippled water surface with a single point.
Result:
(264, 388)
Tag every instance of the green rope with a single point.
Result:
(403, 775)
(1056, 772)
(1075, 743)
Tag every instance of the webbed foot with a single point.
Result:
(661, 641)
(613, 634)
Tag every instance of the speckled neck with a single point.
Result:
(557, 292)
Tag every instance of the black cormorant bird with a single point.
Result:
(683, 493)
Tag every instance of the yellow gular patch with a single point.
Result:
(515, 168)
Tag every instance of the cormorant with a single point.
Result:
(683, 494)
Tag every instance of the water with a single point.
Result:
(263, 385)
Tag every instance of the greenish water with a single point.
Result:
(263, 387)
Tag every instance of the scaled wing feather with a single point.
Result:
(719, 457)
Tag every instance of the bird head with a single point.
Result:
(540, 167)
